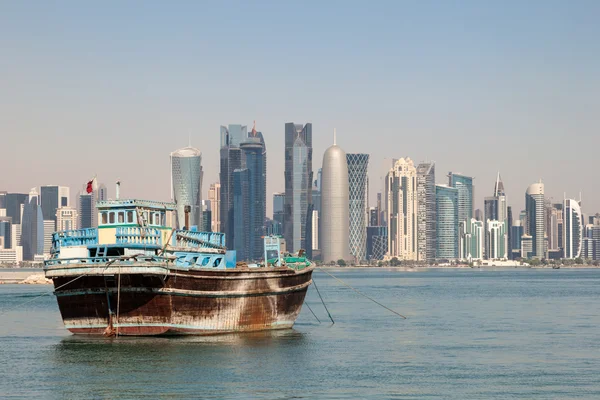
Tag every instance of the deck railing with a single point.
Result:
(136, 235)
(215, 240)
(75, 237)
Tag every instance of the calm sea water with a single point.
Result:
(477, 334)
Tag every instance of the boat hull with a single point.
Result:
(145, 301)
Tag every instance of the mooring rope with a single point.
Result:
(362, 294)
(323, 301)
(313, 313)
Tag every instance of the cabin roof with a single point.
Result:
(129, 203)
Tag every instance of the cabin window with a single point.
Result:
(205, 261)
(217, 262)
(193, 260)
(121, 217)
(111, 218)
(104, 218)
(129, 217)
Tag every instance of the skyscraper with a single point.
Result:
(335, 228)
(496, 211)
(278, 213)
(32, 236)
(376, 242)
(186, 178)
(536, 219)
(52, 198)
(401, 193)
(358, 201)
(6, 232)
(206, 217)
(254, 160)
(230, 160)
(214, 196)
(572, 228)
(13, 203)
(447, 222)
(85, 210)
(497, 240)
(241, 214)
(473, 241)
(298, 184)
(464, 184)
(426, 210)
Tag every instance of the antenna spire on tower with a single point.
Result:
(334, 137)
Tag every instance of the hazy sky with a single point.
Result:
(110, 88)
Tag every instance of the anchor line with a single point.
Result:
(313, 313)
(323, 301)
(362, 294)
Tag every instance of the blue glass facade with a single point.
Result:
(6, 231)
(377, 242)
(298, 184)
(253, 156)
(357, 190)
(13, 202)
(32, 236)
(241, 214)
(464, 184)
(186, 170)
(447, 207)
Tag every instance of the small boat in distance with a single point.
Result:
(136, 275)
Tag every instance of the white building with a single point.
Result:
(401, 194)
(536, 219)
(498, 238)
(572, 229)
(315, 230)
(66, 219)
(11, 256)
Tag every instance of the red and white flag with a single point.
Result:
(92, 185)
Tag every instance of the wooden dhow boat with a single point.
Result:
(136, 275)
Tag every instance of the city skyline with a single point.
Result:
(438, 90)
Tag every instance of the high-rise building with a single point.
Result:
(254, 160)
(315, 230)
(6, 232)
(241, 214)
(572, 228)
(473, 241)
(66, 219)
(52, 198)
(278, 212)
(376, 242)
(373, 216)
(32, 237)
(426, 212)
(206, 217)
(479, 216)
(536, 219)
(509, 224)
(49, 228)
(298, 184)
(85, 210)
(464, 184)
(497, 240)
(517, 233)
(186, 178)
(358, 200)
(495, 210)
(527, 246)
(214, 196)
(447, 222)
(401, 193)
(230, 160)
(13, 203)
(335, 228)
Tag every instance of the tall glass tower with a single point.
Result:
(186, 175)
(464, 184)
(32, 236)
(298, 184)
(573, 229)
(536, 219)
(426, 212)
(447, 222)
(358, 196)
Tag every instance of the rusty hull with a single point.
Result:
(179, 302)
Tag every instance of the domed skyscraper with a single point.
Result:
(335, 220)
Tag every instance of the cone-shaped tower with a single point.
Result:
(335, 230)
